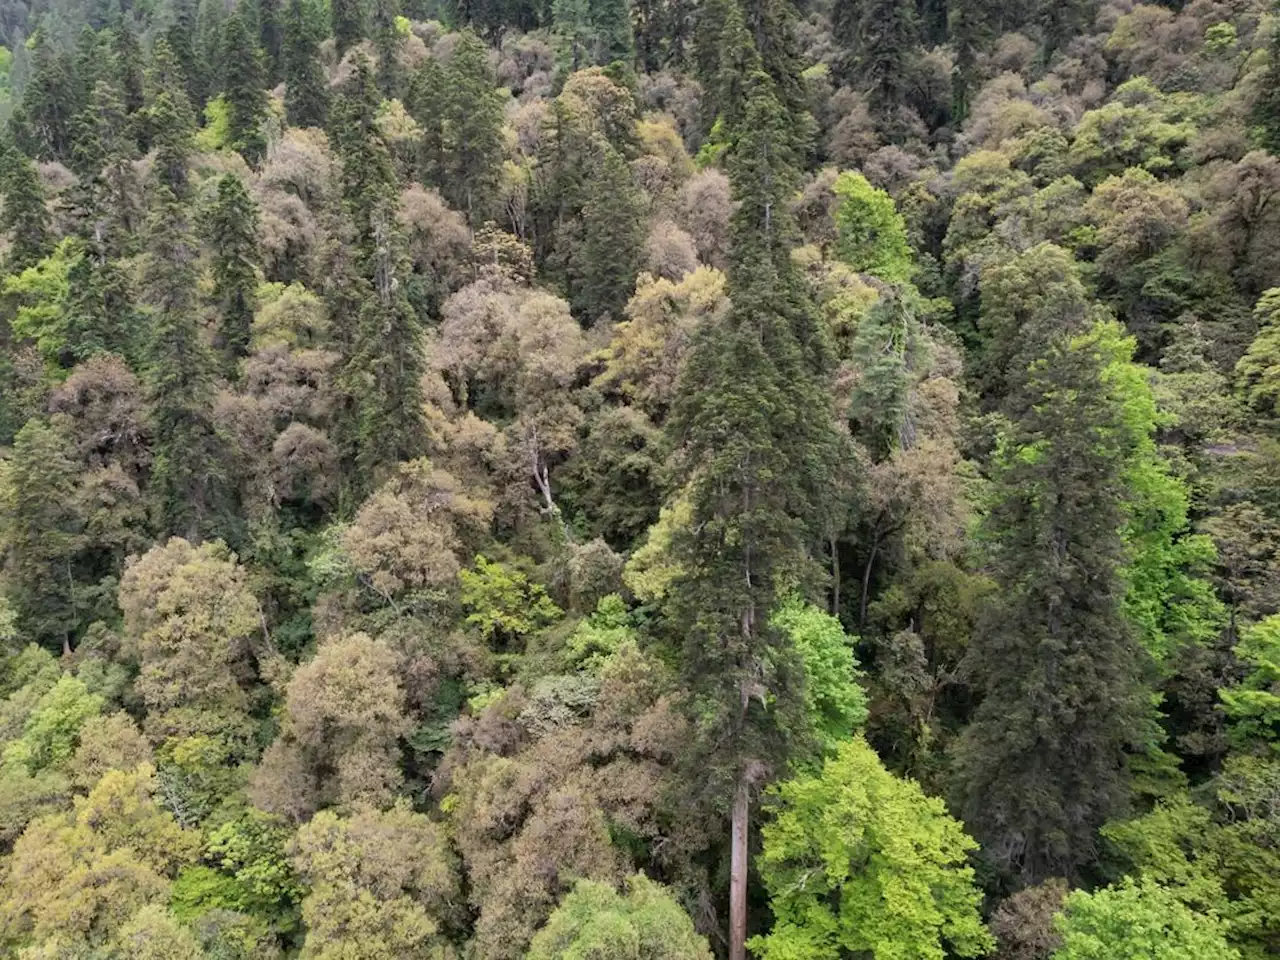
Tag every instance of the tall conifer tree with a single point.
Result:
(306, 92)
(233, 234)
(349, 18)
(179, 366)
(754, 432)
(26, 217)
(242, 87)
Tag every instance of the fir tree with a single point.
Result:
(182, 37)
(473, 120)
(233, 227)
(426, 104)
(888, 36)
(179, 367)
(242, 88)
(42, 533)
(383, 364)
(49, 103)
(100, 317)
(604, 265)
(386, 44)
(349, 19)
(271, 20)
(1042, 766)
(306, 93)
(755, 436)
(25, 215)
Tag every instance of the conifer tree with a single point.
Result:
(271, 39)
(127, 66)
(755, 437)
(179, 367)
(888, 35)
(306, 93)
(26, 217)
(425, 102)
(41, 532)
(242, 88)
(386, 44)
(100, 316)
(382, 366)
(233, 227)
(349, 19)
(1042, 766)
(49, 103)
(182, 37)
(603, 266)
(473, 121)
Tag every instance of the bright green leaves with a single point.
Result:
(872, 237)
(1137, 921)
(41, 292)
(1254, 703)
(857, 860)
(835, 703)
(503, 603)
(644, 923)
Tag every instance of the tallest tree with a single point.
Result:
(755, 435)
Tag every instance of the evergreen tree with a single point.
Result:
(242, 88)
(383, 364)
(386, 45)
(100, 317)
(49, 103)
(611, 25)
(1266, 110)
(972, 25)
(604, 264)
(473, 120)
(1043, 763)
(271, 19)
(179, 367)
(428, 92)
(182, 37)
(127, 66)
(888, 36)
(41, 532)
(233, 229)
(25, 215)
(349, 19)
(755, 437)
(306, 93)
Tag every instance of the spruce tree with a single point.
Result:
(386, 45)
(349, 19)
(383, 363)
(179, 366)
(306, 92)
(473, 120)
(972, 25)
(426, 104)
(754, 432)
(42, 533)
(1042, 766)
(888, 36)
(233, 229)
(243, 88)
(49, 103)
(25, 215)
(271, 19)
(182, 37)
(100, 315)
(604, 264)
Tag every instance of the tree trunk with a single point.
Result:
(738, 871)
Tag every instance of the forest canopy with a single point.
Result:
(639, 479)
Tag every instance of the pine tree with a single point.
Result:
(386, 44)
(349, 23)
(233, 226)
(179, 367)
(473, 120)
(1266, 110)
(755, 439)
(42, 533)
(306, 93)
(25, 215)
(428, 92)
(242, 88)
(888, 36)
(1043, 764)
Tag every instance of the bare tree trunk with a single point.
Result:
(835, 577)
(866, 584)
(738, 871)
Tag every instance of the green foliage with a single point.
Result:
(857, 860)
(594, 920)
(835, 703)
(870, 234)
(50, 734)
(600, 636)
(233, 227)
(1254, 704)
(41, 292)
(503, 603)
(1134, 921)
(242, 87)
(306, 94)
